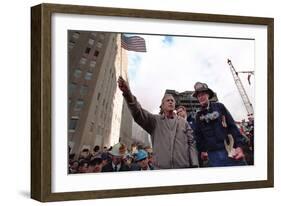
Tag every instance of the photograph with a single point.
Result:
(145, 102)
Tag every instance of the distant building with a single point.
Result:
(94, 102)
(126, 126)
(185, 99)
(140, 136)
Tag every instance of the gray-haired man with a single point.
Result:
(170, 133)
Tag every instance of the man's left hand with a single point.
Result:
(239, 154)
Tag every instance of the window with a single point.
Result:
(87, 51)
(83, 90)
(71, 44)
(96, 53)
(92, 125)
(99, 45)
(93, 63)
(98, 96)
(91, 41)
(79, 105)
(76, 35)
(88, 75)
(72, 87)
(77, 73)
(83, 60)
(73, 123)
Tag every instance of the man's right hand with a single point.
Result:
(204, 156)
(123, 85)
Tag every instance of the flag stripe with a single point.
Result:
(133, 43)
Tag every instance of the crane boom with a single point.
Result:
(248, 105)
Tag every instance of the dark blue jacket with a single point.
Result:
(191, 121)
(209, 130)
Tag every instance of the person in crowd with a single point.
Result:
(134, 148)
(96, 150)
(83, 166)
(105, 158)
(109, 149)
(73, 169)
(104, 149)
(218, 138)
(128, 160)
(85, 154)
(141, 161)
(169, 133)
(182, 112)
(95, 165)
(70, 161)
(116, 164)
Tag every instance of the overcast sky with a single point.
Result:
(177, 63)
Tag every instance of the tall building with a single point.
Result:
(140, 136)
(186, 99)
(94, 101)
(126, 126)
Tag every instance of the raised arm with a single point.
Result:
(144, 118)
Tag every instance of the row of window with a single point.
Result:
(83, 89)
(73, 39)
(73, 122)
(75, 36)
(83, 61)
(79, 104)
(78, 73)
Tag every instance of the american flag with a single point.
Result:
(133, 43)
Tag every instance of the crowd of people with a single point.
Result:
(114, 159)
(179, 140)
(247, 129)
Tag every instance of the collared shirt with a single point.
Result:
(118, 167)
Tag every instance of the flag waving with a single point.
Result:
(133, 43)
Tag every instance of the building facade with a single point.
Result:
(186, 99)
(95, 60)
(140, 136)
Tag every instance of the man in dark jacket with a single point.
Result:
(118, 152)
(218, 138)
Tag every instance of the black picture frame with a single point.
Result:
(41, 118)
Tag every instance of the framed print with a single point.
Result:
(98, 77)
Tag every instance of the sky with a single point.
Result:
(177, 63)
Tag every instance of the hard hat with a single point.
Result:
(141, 155)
